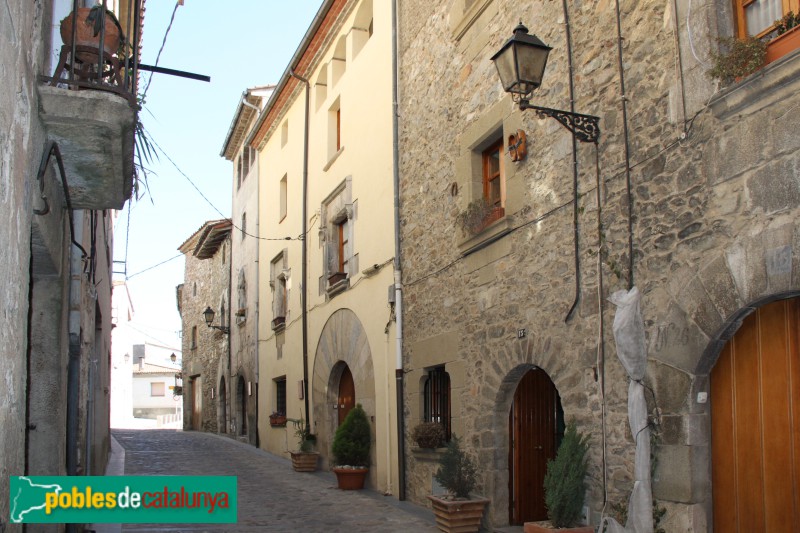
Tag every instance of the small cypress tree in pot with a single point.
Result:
(565, 480)
(351, 446)
(457, 473)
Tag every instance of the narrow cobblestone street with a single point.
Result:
(271, 496)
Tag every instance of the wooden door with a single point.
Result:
(197, 403)
(535, 423)
(347, 393)
(755, 424)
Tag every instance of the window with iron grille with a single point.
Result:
(437, 399)
(280, 395)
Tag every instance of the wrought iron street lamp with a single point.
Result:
(208, 314)
(520, 64)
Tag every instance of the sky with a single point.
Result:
(240, 44)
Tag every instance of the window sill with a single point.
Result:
(773, 83)
(491, 233)
(338, 287)
(333, 159)
(428, 455)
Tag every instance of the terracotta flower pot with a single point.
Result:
(304, 461)
(463, 516)
(84, 32)
(350, 478)
(783, 44)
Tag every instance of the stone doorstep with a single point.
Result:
(546, 527)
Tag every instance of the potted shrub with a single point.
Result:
(428, 435)
(351, 446)
(457, 510)
(304, 459)
(565, 486)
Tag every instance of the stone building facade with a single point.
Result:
(244, 260)
(56, 230)
(206, 368)
(691, 196)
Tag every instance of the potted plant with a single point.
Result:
(741, 57)
(788, 38)
(304, 459)
(456, 510)
(336, 277)
(428, 435)
(277, 419)
(91, 20)
(478, 215)
(351, 445)
(565, 486)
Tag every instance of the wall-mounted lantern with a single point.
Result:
(520, 64)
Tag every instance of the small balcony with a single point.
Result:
(89, 107)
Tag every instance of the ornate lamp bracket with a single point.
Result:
(586, 128)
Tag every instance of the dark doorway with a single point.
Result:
(347, 393)
(536, 425)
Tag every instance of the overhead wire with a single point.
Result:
(214, 207)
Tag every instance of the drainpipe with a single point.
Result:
(304, 274)
(74, 366)
(398, 272)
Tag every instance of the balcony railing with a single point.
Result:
(83, 64)
(89, 105)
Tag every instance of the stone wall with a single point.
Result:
(714, 193)
(206, 283)
(23, 30)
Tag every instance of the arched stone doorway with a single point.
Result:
(222, 407)
(535, 428)
(342, 347)
(755, 423)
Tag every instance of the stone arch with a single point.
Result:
(343, 341)
(703, 307)
(519, 358)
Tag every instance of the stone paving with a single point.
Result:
(271, 496)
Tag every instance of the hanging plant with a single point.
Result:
(740, 58)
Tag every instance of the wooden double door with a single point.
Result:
(755, 424)
(536, 425)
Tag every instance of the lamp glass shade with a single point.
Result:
(521, 62)
(208, 314)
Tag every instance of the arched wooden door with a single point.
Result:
(222, 413)
(347, 393)
(536, 424)
(755, 424)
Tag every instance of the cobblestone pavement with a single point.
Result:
(271, 496)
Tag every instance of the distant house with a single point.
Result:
(153, 385)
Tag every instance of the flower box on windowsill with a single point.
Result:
(277, 421)
(783, 44)
(495, 226)
(279, 322)
(336, 277)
